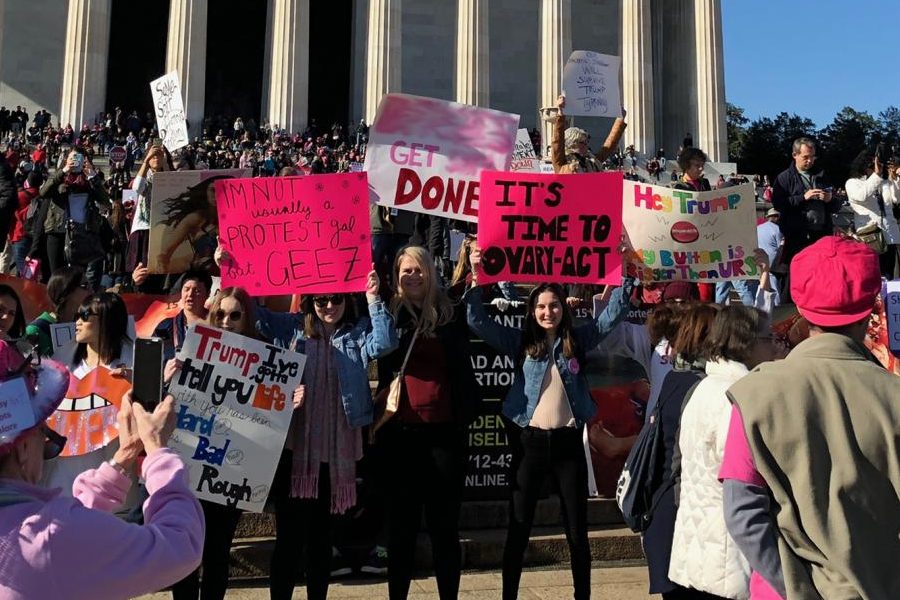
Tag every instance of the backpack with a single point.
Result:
(638, 490)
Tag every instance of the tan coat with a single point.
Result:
(569, 164)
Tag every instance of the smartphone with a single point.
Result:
(147, 372)
(79, 162)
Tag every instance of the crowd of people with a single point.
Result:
(779, 467)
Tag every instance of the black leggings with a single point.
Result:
(221, 523)
(558, 453)
(422, 468)
(888, 261)
(300, 522)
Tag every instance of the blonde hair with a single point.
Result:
(247, 305)
(463, 268)
(437, 309)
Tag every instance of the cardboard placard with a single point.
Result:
(562, 228)
(426, 155)
(169, 107)
(591, 85)
(296, 234)
(690, 236)
(234, 405)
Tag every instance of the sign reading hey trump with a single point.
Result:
(564, 228)
(426, 155)
(690, 236)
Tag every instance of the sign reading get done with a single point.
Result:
(426, 155)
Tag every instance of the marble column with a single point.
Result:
(186, 54)
(637, 75)
(288, 89)
(383, 57)
(556, 46)
(712, 134)
(85, 62)
(472, 53)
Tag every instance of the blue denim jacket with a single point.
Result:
(354, 346)
(522, 398)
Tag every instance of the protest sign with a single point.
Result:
(891, 298)
(563, 228)
(591, 85)
(184, 219)
(524, 158)
(233, 400)
(87, 414)
(690, 236)
(425, 155)
(169, 107)
(296, 234)
(16, 413)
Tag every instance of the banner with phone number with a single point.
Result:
(233, 399)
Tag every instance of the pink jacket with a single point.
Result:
(55, 547)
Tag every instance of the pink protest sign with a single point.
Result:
(290, 235)
(425, 155)
(562, 228)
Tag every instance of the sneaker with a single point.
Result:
(377, 562)
(339, 565)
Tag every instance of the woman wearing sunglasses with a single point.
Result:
(101, 340)
(51, 543)
(232, 310)
(316, 477)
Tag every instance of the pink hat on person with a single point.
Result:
(834, 282)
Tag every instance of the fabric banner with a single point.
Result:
(524, 158)
(562, 228)
(169, 107)
(591, 85)
(184, 219)
(425, 155)
(233, 400)
(296, 234)
(690, 236)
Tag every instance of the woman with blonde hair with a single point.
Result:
(422, 448)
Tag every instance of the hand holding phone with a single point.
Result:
(147, 375)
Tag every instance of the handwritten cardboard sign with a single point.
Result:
(87, 414)
(169, 107)
(184, 219)
(524, 158)
(690, 236)
(296, 234)
(426, 155)
(16, 413)
(562, 228)
(591, 85)
(233, 404)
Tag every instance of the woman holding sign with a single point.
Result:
(547, 408)
(316, 477)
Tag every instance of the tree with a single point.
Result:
(850, 133)
(766, 147)
(889, 127)
(736, 126)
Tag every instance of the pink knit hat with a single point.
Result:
(834, 281)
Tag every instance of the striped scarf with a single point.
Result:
(322, 433)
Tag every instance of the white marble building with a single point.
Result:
(506, 54)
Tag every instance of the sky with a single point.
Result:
(811, 57)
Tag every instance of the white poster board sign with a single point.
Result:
(524, 158)
(591, 85)
(169, 107)
(16, 413)
(233, 400)
(891, 297)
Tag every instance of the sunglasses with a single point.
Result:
(53, 442)
(85, 314)
(234, 315)
(323, 301)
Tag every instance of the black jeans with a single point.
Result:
(888, 261)
(221, 523)
(300, 522)
(558, 453)
(422, 468)
(56, 259)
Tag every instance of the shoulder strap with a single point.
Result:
(408, 352)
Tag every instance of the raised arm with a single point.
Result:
(591, 334)
(381, 336)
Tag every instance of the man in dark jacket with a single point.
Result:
(804, 199)
(9, 199)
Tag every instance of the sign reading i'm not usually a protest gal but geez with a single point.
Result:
(564, 228)
(425, 155)
(690, 236)
(233, 408)
(291, 235)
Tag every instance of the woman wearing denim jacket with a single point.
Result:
(316, 477)
(548, 404)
